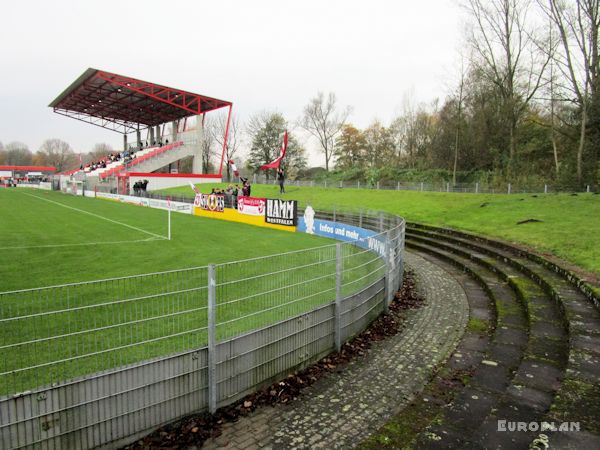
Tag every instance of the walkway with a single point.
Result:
(341, 411)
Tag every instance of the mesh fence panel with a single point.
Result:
(52, 334)
(263, 291)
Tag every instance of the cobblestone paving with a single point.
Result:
(341, 411)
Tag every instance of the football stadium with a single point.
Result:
(108, 293)
(143, 305)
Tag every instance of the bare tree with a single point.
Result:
(412, 132)
(57, 153)
(208, 143)
(18, 154)
(102, 149)
(321, 119)
(460, 98)
(233, 139)
(402, 129)
(505, 45)
(578, 29)
(99, 151)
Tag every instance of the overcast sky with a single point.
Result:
(260, 55)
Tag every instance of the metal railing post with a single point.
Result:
(508, 192)
(212, 357)
(401, 246)
(338, 296)
(388, 274)
(358, 184)
(477, 188)
(588, 189)
(545, 189)
(378, 185)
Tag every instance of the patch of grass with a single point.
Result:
(401, 431)
(578, 401)
(478, 326)
(525, 285)
(504, 309)
(569, 226)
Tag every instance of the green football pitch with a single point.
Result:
(48, 238)
(54, 334)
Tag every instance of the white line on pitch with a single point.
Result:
(96, 215)
(25, 247)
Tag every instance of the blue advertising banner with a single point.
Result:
(364, 238)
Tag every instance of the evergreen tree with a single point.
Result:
(266, 131)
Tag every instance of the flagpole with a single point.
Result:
(169, 217)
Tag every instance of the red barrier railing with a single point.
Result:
(138, 160)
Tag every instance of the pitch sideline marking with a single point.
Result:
(96, 215)
(150, 239)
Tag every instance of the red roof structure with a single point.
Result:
(123, 104)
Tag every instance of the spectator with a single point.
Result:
(281, 179)
(235, 192)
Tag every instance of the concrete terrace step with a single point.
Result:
(560, 372)
(492, 385)
(579, 311)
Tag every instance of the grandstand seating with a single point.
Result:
(140, 156)
(114, 167)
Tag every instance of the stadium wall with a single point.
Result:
(180, 207)
(157, 181)
(233, 215)
(115, 407)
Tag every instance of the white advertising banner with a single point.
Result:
(252, 206)
(181, 207)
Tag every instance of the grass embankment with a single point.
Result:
(569, 224)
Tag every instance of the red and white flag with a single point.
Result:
(196, 190)
(236, 172)
(276, 163)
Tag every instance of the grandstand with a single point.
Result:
(152, 119)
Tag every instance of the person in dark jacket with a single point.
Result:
(281, 179)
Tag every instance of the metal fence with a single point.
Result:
(475, 188)
(102, 363)
(110, 186)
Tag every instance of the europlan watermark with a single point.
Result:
(509, 425)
